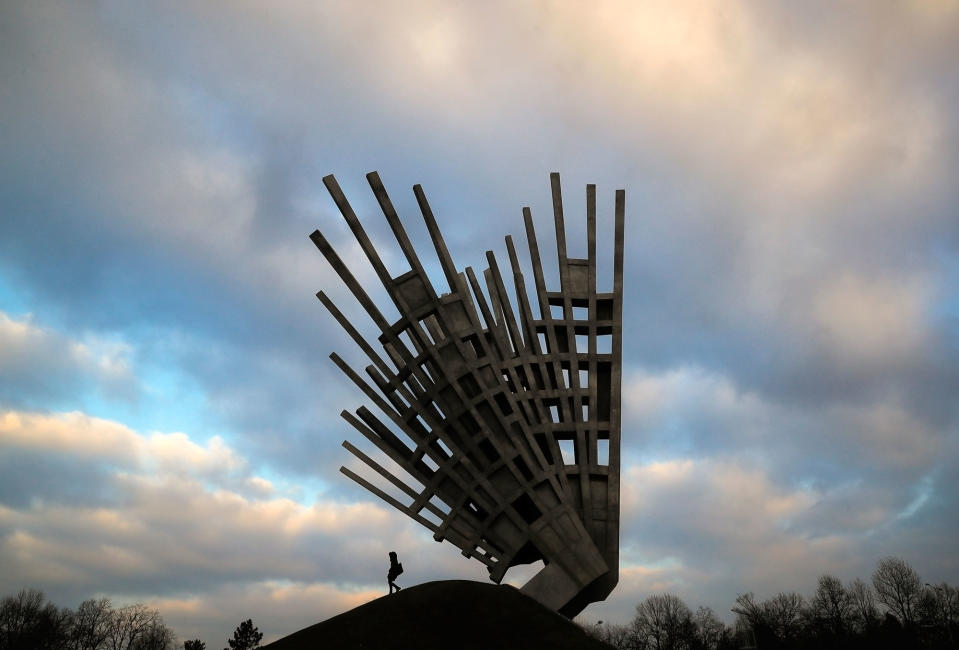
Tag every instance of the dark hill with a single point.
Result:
(445, 615)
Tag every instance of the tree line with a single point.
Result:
(896, 610)
(28, 621)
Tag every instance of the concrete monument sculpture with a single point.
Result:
(509, 422)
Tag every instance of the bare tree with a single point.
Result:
(862, 603)
(27, 620)
(156, 636)
(91, 625)
(125, 627)
(748, 608)
(750, 620)
(709, 629)
(138, 627)
(831, 606)
(777, 619)
(940, 605)
(744, 633)
(664, 623)
(783, 614)
(620, 637)
(898, 587)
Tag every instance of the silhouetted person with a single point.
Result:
(396, 568)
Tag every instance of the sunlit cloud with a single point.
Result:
(869, 319)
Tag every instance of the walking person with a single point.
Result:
(396, 568)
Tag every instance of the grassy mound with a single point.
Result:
(444, 615)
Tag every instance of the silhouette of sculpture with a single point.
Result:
(508, 425)
(396, 568)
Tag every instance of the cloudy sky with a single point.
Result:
(169, 427)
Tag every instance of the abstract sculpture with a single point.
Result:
(509, 423)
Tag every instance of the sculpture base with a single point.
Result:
(445, 615)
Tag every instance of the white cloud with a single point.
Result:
(71, 433)
(84, 437)
(710, 529)
(37, 361)
(182, 519)
(175, 452)
(725, 504)
(872, 319)
(669, 401)
(691, 410)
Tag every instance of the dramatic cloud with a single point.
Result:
(168, 417)
(180, 521)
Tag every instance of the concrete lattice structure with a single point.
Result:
(509, 423)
